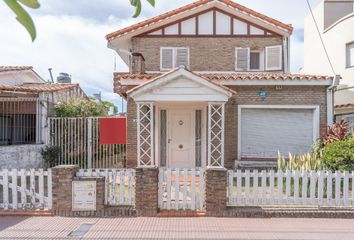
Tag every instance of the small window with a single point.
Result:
(350, 55)
(255, 61)
(172, 57)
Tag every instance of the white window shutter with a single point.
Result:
(182, 57)
(274, 58)
(242, 58)
(166, 58)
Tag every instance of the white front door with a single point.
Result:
(181, 138)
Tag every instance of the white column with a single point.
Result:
(216, 124)
(145, 134)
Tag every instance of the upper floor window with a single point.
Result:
(172, 57)
(350, 55)
(268, 59)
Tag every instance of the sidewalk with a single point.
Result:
(175, 228)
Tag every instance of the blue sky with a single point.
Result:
(71, 34)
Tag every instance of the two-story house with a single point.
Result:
(335, 20)
(209, 84)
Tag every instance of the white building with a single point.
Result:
(335, 19)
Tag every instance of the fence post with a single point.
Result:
(146, 191)
(89, 143)
(215, 191)
(62, 177)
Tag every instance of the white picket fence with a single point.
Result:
(23, 189)
(181, 189)
(291, 188)
(119, 184)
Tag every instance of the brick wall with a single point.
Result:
(289, 95)
(215, 191)
(206, 54)
(131, 134)
(246, 95)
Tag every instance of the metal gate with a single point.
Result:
(181, 189)
(78, 141)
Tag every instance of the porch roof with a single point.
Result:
(205, 87)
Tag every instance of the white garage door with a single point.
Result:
(264, 132)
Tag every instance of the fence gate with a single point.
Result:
(181, 189)
(78, 141)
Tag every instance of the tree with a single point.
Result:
(17, 6)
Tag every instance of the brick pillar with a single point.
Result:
(146, 191)
(62, 177)
(215, 191)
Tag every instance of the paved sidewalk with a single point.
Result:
(176, 228)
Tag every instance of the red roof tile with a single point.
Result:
(15, 68)
(37, 88)
(349, 105)
(230, 76)
(230, 3)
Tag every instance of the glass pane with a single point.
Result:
(198, 138)
(254, 60)
(163, 138)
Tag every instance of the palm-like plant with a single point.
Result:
(336, 132)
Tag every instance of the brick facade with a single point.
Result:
(206, 54)
(215, 191)
(246, 95)
(288, 95)
(62, 177)
(146, 191)
(131, 134)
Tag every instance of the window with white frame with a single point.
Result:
(172, 57)
(350, 55)
(268, 59)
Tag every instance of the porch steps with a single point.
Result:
(180, 213)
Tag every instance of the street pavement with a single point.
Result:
(174, 228)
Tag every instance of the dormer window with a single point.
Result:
(172, 57)
(267, 59)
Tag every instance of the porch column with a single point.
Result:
(145, 134)
(146, 188)
(216, 115)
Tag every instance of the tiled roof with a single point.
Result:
(14, 68)
(349, 105)
(157, 77)
(38, 88)
(230, 3)
(231, 76)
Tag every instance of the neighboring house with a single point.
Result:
(209, 84)
(335, 20)
(26, 102)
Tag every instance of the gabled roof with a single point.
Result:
(196, 4)
(176, 73)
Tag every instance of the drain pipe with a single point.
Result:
(330, 99)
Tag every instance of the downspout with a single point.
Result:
(330, 99)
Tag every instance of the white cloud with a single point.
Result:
(71, 36)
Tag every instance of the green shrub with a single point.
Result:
(50, 155)
(339, 155)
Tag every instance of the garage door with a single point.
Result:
(264, 132)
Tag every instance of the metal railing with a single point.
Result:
(78, 140)
(19, 121)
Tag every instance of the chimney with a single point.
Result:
(138, 63)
